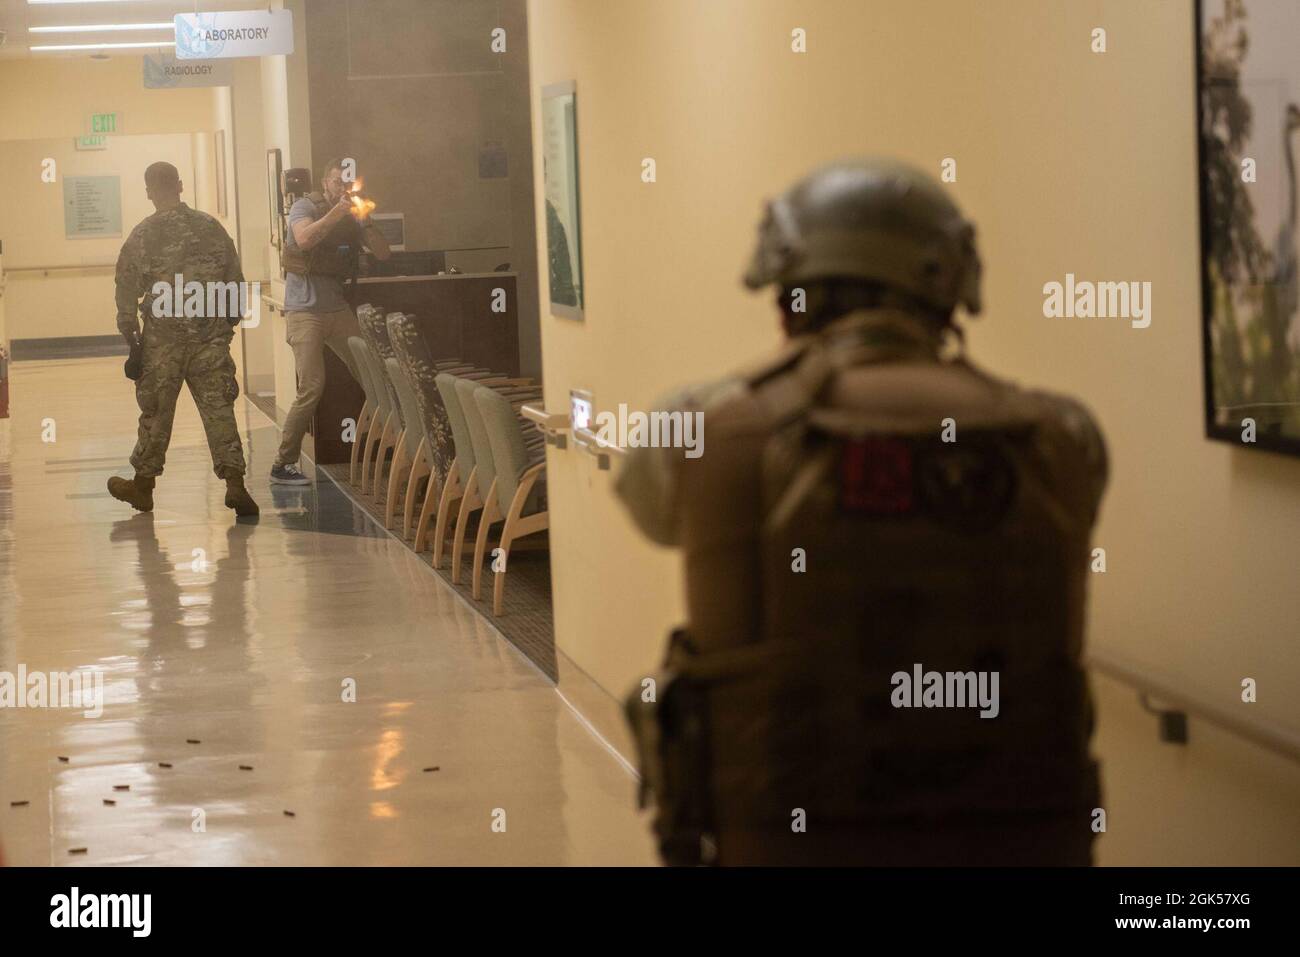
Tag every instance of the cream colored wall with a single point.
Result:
(45, 103)
(237, 110)
(201, 186)
(1214, 801)
(222, 120)
(55, 97)
(1069, 161)
(72, 302)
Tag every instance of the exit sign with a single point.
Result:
(92, 142)
(103, 123)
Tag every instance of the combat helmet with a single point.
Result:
(875, 220)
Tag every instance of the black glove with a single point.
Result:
(134, 365)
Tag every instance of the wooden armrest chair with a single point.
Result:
(515, 488)
(369, 409)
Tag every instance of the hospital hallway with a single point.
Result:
(634, 454)
(227, 651)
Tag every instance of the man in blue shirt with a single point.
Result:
(320, 251)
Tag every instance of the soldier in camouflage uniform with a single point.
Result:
(194, 349)
(869, 503)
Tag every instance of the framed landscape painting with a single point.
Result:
(1248, 102)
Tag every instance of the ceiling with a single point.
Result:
(16, 16)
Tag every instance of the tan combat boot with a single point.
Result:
(136, 492)
(237, 497)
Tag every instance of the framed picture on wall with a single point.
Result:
(560, 179)
(219, 142)
(275, 200)
(1248, 103)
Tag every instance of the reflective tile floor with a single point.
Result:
(227, 651)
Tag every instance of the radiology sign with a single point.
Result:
(163, 71)
(216, 36)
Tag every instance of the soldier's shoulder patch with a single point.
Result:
(970, 486)
(877, 475)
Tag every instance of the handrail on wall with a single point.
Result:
(60, 268)
(552, 425)
(1265, 734)
(593, 443)
(5, 271)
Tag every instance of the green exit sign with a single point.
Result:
(103, 123)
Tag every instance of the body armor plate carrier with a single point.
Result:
(336, 255)
(782, 732)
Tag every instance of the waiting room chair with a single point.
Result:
(519, 467)
(375, 332)
(461, 479)
(383, 397)
(478, 489)
(369, 409)
(408, 455)
(420, 370)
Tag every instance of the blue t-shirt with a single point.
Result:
(312, 293)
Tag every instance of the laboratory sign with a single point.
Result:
(215, 36)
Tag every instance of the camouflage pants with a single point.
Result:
(209, 370)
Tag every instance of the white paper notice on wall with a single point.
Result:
(216, 36)
(162, 71)
(92, 207)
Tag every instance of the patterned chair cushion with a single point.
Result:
(417, 362)
(375, 332)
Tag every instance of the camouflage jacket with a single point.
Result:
(189, 243)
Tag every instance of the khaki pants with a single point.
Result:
(308, 335)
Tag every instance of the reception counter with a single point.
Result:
(455, 313)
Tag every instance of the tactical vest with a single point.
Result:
(336, 255)
(833, 541)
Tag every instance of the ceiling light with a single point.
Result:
(48, 48)
(96, 27)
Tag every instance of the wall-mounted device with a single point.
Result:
(392, 226)
(581, 417)
(275, 197)
(296, 185)
(580, 409)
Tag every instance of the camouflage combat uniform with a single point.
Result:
(195, 351)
